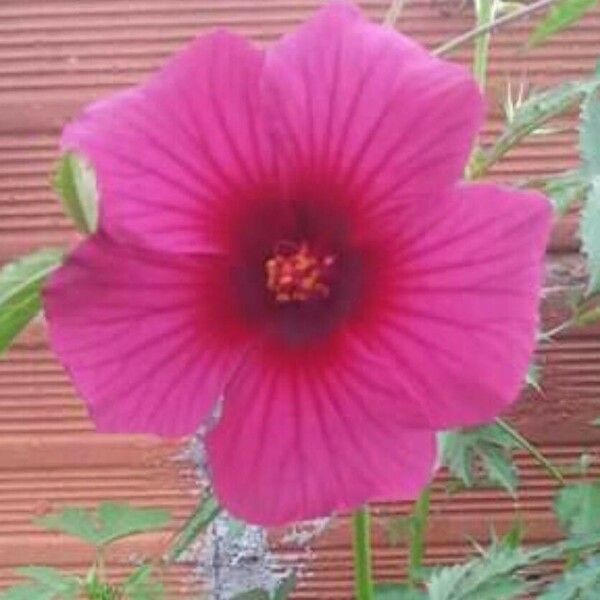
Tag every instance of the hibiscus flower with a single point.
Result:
(283, 233)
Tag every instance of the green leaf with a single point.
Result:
(560, 16)
(112, 521)
(590, 236)
(565, 190)
(589, 136)
(285, 587)
(20, 287)
(481, 455)
(580, 583)
(514, 536)
(64, 584)
(489, 577)
(141, 585)
(47, 584)
(203, 516)
(577, 508)
(534, 113)
(27, 592)
(588, 317)
(75, 183)
(398, 591)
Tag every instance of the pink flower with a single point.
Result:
(284, 230)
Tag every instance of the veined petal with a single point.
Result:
(464, 314)
(171, 153)
(146, 337)
(369, 108)
(297, 441)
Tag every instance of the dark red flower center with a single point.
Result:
(295, 273)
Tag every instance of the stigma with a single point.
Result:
(297, 274)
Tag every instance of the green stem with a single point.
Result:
(527, 445)
(362, 554)
(512, 17)
(485, 15)
(418, 529)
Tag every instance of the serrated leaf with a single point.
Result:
(203, 516)
(112, 521)
(589, 136)
(489, 577)
(398, 591)
(20, 288)
(560, 16)
(75, 183)
(534, 113)
(580, 583)
(480, 455)
(577, 508)
(590, 236)
(141, 585)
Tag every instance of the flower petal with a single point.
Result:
(465, 310)
(170, 152)
(296, 442)
(140, 336)
(369, 107)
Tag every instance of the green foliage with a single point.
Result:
(20, 287)
(285, 587)
(589, 136)
(577, 508)
(97, 589)
(588, 317)
(203, 516)
(141, 585)
(533, 113)
(398, 591)
(75, 183)
(46, 584)
(580, 583)
(565, 190)
(111, 521)
(560, 16)
(417, 526)
(480, 456)
(590, 235)
(489, 577)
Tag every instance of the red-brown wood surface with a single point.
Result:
(56, 55)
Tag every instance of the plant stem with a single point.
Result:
(527, 445)
(485, 15)
(393, 13)
(362, 554)
(418, 529)
(460, 40)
